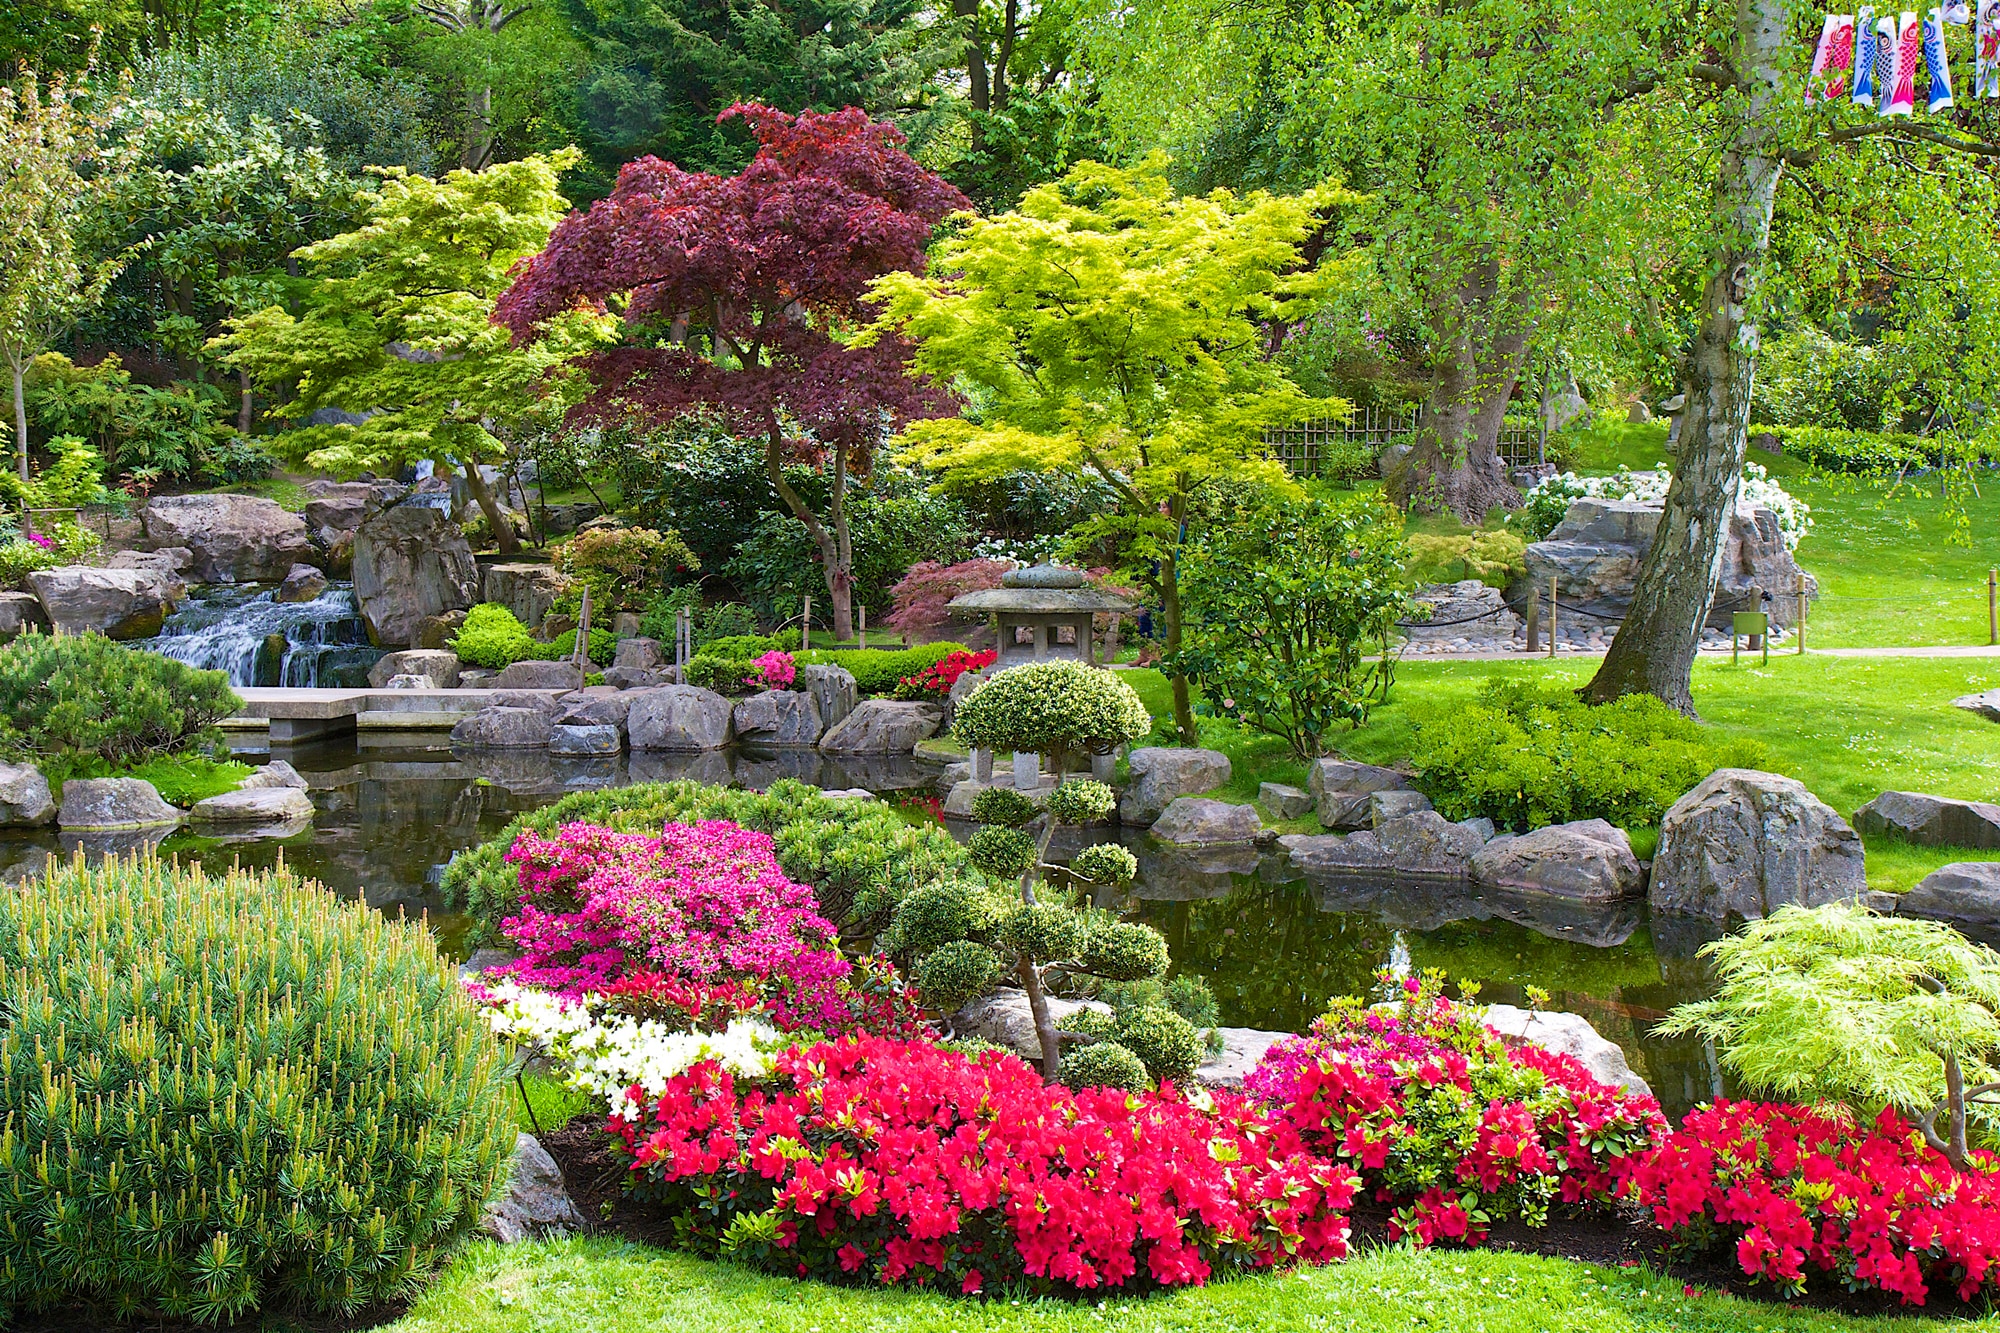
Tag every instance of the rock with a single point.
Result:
(1004, 1019)
(410, 681)
(1588, 861)
(1384, 806)
(778, 717)
(883, 726)
(1964, 892)
(958, 801)
(640, 653)
(1162, 774)
(113, 803)
(679, 717)
(1344, 775)
(339, 547)
(277, 773)
(833, 689)
(254, 805)
(1193, 820)
(1424, 844)
(636, 678)
(169, 564)
(1745, 843)
(1391, 459)
(537, 1204)
(1242, 1051)
(24, 797)
(1987, 705)
(1479, 826)
(1282, 801)
(1467, 609)
(438, 631)
(337, 506)
(118, 603)
(410, 561)
(526, 589)
(1931, 821)
(1638, 413)
(440, 664)
(1571, 1035)
(485, 960)
(542, 701)
(540, 676)
(234, 538)
(303, 583)
(476, 678)
(565, 738)
(590, 708)
(848, 794)
(967, 682)
(20, 611)
(504, 729)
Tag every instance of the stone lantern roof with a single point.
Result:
(1042, 599)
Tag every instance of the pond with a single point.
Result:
(1274, 945)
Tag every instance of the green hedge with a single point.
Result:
(80, 700)
(879, 670)
(1841, 450)
(860, 857)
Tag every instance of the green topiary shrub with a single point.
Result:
(1165, 1043)
(955, 974)
(939, 914)
(1122, 951)
(1526, 755)
(603, 647)
(1043, 931)
(1104, 863)
(228, 1095)
(1081, 802)
(492, 637)
(1003, 853)
(1055, 708)
(81, 699)
(1003, 806)
(877, 671)
(1104, 1064)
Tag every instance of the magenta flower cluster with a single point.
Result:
(702, 902)
(774, 671)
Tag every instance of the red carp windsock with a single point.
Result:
(1885, 61)
(1936, 61)
(1864, 57)
(1831, 59)
(1986, 80)
(1902, 94)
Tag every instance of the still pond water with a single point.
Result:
(1273, 944)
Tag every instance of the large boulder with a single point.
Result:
(337, 506)
(526, 589)
(678, 717)
(1571, 1035)
(537, 1205)
(1242, 1050)
(440, 664)
(638, 653)
(303, 583)
(1467, 609)
(503, 729)
(1196, 821)
(170, 563)
(1004, 1019)
(883, 726)
(1933, 821)
(1985, 704)
(540, 676)
(1344, 791)
(1745, 843)
(234, 538)
(1384, 806)
(1161, 774)
(113, 803)
(276, 773)
(117, 603)
(20, 611)
(24, 797)
(1424, 845)
(255, 805)
(1966, 893)
(569, 739)
(594, 706)
(410, 561)
(778, 717)
(833, 690)
(1283, 801)
(1588, 861)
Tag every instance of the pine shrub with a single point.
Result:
(222, 1095)
(68, 701)
(1105, 1065)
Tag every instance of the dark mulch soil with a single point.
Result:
(84, 1320)
(595, 1180)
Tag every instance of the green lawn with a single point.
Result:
(615, 1287)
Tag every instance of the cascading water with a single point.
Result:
(259, 641)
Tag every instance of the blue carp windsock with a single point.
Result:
(1885, 61)
(1831, 59)
(1986, 80)
(1864, 57)
(1902, 98)
(1936, 61)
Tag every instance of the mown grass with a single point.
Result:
(609, 1286)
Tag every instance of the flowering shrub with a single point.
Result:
(1549, 499)
(772, 671)
(1449, 1124)
(922, 595)
(936, 680)
(1055, 707)
(1798, 1186)
(909, 1163)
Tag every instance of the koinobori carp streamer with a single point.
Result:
(1864, 58)
(1936, 61)
(1900, 97)
(1831, 59)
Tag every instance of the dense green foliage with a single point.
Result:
(1525, 755)
(228, 1095)
(180, 779)
(68, 701)
(1058, 707)
(860, 859)
(1102, 1065)
(492, 637)
(877, 671)
(144, 433)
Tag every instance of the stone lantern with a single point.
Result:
(1042, 600)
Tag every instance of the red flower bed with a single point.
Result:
(1798, 1186)
(936, 680)
(909, 1163)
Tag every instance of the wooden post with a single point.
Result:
(1552, 615)
(806, 622)
(1993, 606)
(1805, 606)
(581, 656)
(1534, 619)
(862, 611)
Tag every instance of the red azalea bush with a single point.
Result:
(1449, 1124)
(922, 595)
(909, 1163)
(936, 680)
(1798, 1186)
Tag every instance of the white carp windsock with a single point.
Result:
(1986, 80)
(1864, 58)
(1936, 61)
(1885, 61)
(1902, 94)
(1831, 59)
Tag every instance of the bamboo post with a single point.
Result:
(806, 622)
(1534, 620)
(1805, 608)
(1552, 615)
(581, 656)
(862, 632)
(1992, 606)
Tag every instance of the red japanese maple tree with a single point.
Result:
(734, 291)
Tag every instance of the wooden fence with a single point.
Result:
(1301, 447)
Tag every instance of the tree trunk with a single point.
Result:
(1654, 650)
(247, 407)
(496, 517)
(1170, 611)
(478, 150)
(1031, 980)
(840, 569)
(19, 366)
(977, 87)
(838, 573)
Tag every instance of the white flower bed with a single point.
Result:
(607, 1053)
(1552, 495)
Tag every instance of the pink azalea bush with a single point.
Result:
(773, 671)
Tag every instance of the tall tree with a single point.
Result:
(734, 293)
(1109, 325)
(49, 179)
(399, 331)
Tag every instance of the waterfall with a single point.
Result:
(260, 641)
